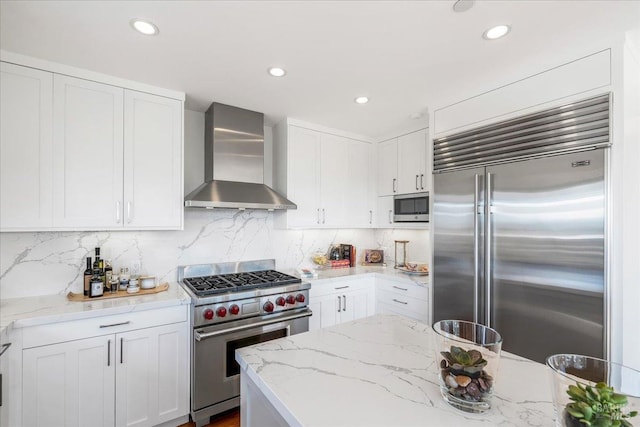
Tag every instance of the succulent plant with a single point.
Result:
(470, 362)
(598, 406)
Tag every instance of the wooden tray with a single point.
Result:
(80, 297)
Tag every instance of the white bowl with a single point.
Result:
(133, 289)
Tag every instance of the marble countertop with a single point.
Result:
(338, 273)
(33, 311)
(379, 371)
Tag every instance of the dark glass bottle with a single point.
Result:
(88, 274)
(108, 273)
(96, 288)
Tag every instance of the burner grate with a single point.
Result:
(236, 282)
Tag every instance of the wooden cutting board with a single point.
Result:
(80, 297)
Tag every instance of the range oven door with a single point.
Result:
(215, 373)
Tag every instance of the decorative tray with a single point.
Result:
(413, 272)
(80, 297)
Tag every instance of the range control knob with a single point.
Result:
(300, 298)
(268, 306)
(208, 314)
(221, 311)
(234, 309)
(280, 301)
(291, 299)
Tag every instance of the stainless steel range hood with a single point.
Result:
(234, 163)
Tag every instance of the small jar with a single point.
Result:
(114, 284)
(124, 278)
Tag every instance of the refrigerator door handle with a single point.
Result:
(476, 218)
(487, 251)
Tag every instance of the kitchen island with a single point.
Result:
(376, 371)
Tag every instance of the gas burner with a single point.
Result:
(235, 282)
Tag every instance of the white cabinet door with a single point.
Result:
(87, 156)
(304, 177)
(388, 167)
(26, 169)
(152, 161)
(69, 384)
(356, 305)
(333, 181)
(412, 162)
(151, 375)
(325, 311)
(384, 212)
(359, 197)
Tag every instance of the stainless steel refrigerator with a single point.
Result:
(519, 244)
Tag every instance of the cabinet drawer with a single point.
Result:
(404, 289)
(403, 303)
(321, 288)
(101, 325)
(386, 308)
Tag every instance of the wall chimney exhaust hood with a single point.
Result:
(234, 163)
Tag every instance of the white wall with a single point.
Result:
(52, 263)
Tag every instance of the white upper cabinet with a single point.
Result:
(412, 163)
(304, 190)
(388, 167)
(87, 157)
(328, 176)
(403, 164)
(79, 154)
(152, 161)
(26, 149)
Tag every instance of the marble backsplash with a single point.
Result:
(52, 262)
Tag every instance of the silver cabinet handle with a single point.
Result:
(389, 216)
(129, 216)
(318, 216)
(394, 185)
(401, 302)
(421, 181)
(487, 251)
(198, 336)
(339, 304)
(324, 217)
(344, 298)
(109, 353)
(341, 287)
(118, 212)
(476, 250)
(115, 324)
(121, 351)
(402, 289)
(417, 176)
(370, 217)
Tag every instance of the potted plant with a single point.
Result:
(597, 406)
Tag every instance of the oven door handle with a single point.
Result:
(199, 337)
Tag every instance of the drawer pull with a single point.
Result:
(109, 353)
(339, 304)
(402, 289)
(344, 298)
(121, 347)
(341, 287)
(115, 324)
(401, 302)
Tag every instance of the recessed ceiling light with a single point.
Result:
(463, 5)
(144, 27)
(361, 100)
(496, 32)
(277, 71)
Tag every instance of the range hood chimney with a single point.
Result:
(234, 163)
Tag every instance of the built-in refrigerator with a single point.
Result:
(519, 229)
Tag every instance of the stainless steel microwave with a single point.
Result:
(411, 207)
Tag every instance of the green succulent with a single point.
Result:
(470, 361)
(598, 406)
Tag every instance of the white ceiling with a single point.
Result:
(406, 56)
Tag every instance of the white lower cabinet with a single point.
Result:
(69, 384)
(403, 298)
(131, 378)
(338, 302)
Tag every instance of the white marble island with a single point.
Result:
(376, 371)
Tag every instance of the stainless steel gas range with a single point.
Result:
(235, 305)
